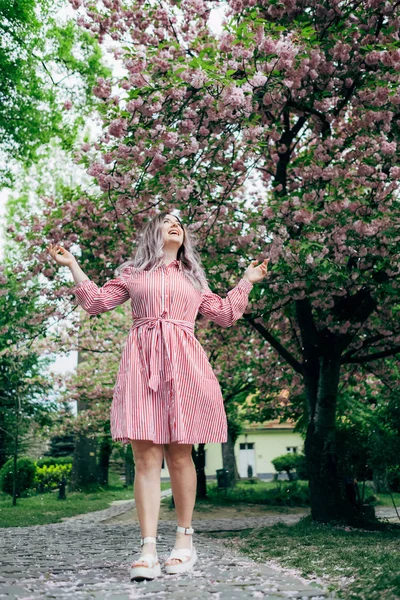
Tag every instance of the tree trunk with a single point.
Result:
(84, 468)
(4, 447)
(199, 459)
(327, 501)
(229, 459)
(15, 475)
(129, 467)
(104, 460)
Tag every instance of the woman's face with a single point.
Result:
(172, 232)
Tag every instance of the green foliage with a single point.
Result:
(291, 464)
(23, 397)
(42, 65)
(367, 437)
(25, 476)
(282, 493)
(61, 445)
(24, 383)
(40, 509)
(49, 477)
(48, 461)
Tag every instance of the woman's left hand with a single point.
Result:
(255, 273)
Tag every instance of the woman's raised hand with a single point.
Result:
(254, 272)
(61, 255)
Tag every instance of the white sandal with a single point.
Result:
(187, 556)
(153, 568)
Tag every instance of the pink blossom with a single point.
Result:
(187, 125)
(170, 139)
(302, 216)
(95, 169)
(67, 105)
(117, 128)
(204, 131)
(198, 79)
(158, 161)
(234, 96)
(389, 148)
(395, 172)
(341, 51)
(258, 80)
(372, 58)
(102, 89)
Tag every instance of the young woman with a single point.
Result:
(166, 396)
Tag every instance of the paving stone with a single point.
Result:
(88, 557)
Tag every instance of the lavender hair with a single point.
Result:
(150, 254)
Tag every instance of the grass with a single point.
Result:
(361, 564)
(41, 509)
(279, 493)
(386, 500)
(271, 493)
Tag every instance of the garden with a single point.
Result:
(272, 129)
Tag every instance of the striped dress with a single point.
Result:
(165, 390)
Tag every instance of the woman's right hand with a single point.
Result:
(61, 255)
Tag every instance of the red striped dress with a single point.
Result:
(166, 390)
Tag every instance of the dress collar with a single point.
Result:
(175, 263)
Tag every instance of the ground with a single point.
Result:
(89, 557)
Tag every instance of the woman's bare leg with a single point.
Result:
(183, 482)
(148, 461)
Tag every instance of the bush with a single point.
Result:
(51, 460)
(25, 476)
(283, 493)
(292, 464)
(301, 468)
(48, 478)
(289, 494)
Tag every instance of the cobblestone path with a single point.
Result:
(88, 558)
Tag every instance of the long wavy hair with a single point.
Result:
(150, 253)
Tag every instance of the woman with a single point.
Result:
(166, 396)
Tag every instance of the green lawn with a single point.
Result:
(272, 493)
(361, 564)
(386, 500)
(279, 493)
(46, 508)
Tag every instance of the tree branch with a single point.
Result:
(370, 357)
(290, 359)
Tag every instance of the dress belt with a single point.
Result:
(156, 348)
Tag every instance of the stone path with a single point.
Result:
(88, 557)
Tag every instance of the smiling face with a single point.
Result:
(172, 232)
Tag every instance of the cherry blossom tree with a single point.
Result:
(277, 136)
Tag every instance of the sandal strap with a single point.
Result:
(180, 554)
(150, 559)
(187, 530)
(148, 540)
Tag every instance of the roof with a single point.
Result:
(275, 425)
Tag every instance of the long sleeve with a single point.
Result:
(225, 311)
(95, 300)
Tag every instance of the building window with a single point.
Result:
(247, 446)
(292, 449)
